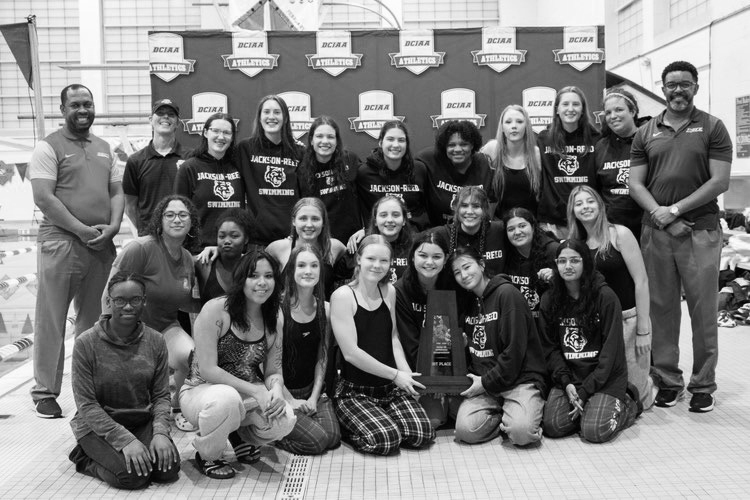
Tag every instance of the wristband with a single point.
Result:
(395, 376)
(643, 334)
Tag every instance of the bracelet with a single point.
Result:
(643, 334)
(395, 376)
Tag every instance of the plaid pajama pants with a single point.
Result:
(312, 434)
(378, 420)
(603, 416)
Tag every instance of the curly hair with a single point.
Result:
(236, 301)
(630, 102)
(533, 169)
(537, 255)
(465, 130)
(679, 66)
(155, 226)
(242, 218)
(290, 300)
(556, 130)
(470, 193)
(288, 143)
(324, 238)
(403, 241)
(563, 305)
(411, 276)
(203, 147)
(308, 166)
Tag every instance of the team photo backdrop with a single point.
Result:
(364, 78)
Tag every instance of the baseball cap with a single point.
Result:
(165, 103)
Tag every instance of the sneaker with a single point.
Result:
(667, 398)
(702, 402)
(48, 408)
(725, 320)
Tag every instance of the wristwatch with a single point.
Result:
(674, 210)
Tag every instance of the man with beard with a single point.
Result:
(79, 191)
(680, 162)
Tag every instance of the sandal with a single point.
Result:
(213, 468)
(181, 422)
(725, 320)
(245, 452)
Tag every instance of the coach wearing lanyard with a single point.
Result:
(680, 162)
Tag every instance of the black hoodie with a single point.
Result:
(591, 358)
(504, 345)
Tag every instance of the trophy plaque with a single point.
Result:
(442, 358)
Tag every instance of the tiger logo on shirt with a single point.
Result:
(223, 190)
(479, 337)
(568, 164)
(623, 175)
(573, 339)
(275, 176)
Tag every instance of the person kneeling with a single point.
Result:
(121, 389)
(581, 325)
(507, 364)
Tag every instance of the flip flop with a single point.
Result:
(212, 468)
(247, 453)
(181, 422)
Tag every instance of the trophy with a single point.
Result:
(442, 357)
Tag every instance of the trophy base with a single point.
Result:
(444, 384)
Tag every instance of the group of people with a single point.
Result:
(311, 275)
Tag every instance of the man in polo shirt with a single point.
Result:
(680, 162)
(79, 191)
(150, 173)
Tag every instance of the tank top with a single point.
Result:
(241, 358)
(617, 276)
(516, 192)
(211, 288)
(301, 342)
(374, 329)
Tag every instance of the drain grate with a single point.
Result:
(295, 478)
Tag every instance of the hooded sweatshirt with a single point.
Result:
(119, 386)
(213, 186)
(590, 358)
(523, 273)
(504, 345)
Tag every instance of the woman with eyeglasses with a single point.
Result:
(618, 257)
(120, 384)
(612, 154)
(210, 177)
(567, 149)
(163, 259)
(581, 329)
(268, 162)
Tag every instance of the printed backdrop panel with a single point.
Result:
(363, 78)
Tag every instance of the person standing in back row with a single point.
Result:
(79, 191)
(679, 163)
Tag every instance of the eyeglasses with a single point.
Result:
(172, 215)
(217, 131)
(682, 85)
(133, 301)
(572, 260)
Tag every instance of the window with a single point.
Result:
(681, 11)
(450, 14)
(630, 26)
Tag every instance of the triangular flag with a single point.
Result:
(22, 170)
(2, 324)
(17, 37)
(33, 287)
(27, 326)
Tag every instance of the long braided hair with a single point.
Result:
(469, 194)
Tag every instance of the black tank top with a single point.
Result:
(617, 276)
(211, 288)
(374, 329)
(301, 342)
